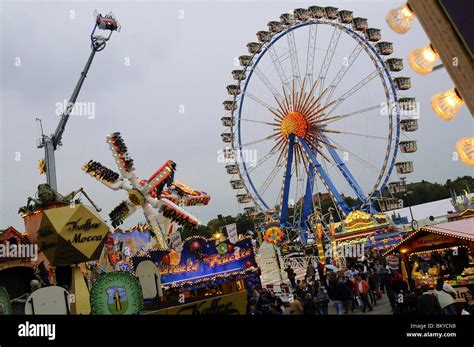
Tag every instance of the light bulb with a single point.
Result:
(400, 19)
(465, 150)
(446, 105)
(423, 59)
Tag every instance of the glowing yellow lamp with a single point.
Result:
(465, 150)
(400, 19)
(423, 59)
(447, 104)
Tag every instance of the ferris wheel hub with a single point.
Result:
(294, 123)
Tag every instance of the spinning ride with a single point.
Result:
(160, 191)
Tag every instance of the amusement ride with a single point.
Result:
(320, 100)
(101, 33)
(160, 192)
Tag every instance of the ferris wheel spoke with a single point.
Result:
(364, 110)
(266, 138)
(356, 157)
(294, 57)
(336, 34)
(344, 69)
(354, 89)
(310, 54)
(269, 179)
(267, 83)
(258, 100)
(265, 158)
(258, 121)
(279, 68)
(361, 135)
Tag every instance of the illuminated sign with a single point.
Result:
(431, 240)
(200, 261)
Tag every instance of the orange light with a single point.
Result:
(446, 105)
(465, 150)
(294, 123)
(423, 59)
(400, 19)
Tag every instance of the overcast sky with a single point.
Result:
(168, 55)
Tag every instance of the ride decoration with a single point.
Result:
(116, 293)
(300, 111)
(71, 235)
(47, 197)
(274, 235)
(41, 166)
(145, 194)
(201, 264)
(317, 227)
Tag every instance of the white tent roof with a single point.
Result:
(424, 211)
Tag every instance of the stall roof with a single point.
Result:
(461, 229)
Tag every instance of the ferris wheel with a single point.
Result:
(314, 113)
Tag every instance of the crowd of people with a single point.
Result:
(357, 288)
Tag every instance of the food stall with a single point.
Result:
(443, 250)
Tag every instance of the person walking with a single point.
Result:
(338, 296)
(384, 280)
(310, 273)
(322, 302)
(362, 291)
(469, 305)
(347, 297)
(373, 286)
(291, 275)
(309, 306)
(296, 307)
(427, 303)
(446, 296)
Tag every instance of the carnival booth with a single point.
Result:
(439, 251)
(367, 232)
(207, 271)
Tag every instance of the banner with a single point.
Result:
(393, 262)
(176, 241)
(234, 303)
(71, 235)
(116, 293)
(202, 260)
(232, 232)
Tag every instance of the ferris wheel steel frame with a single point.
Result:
(315, 168)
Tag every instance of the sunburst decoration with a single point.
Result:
(303, 114)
